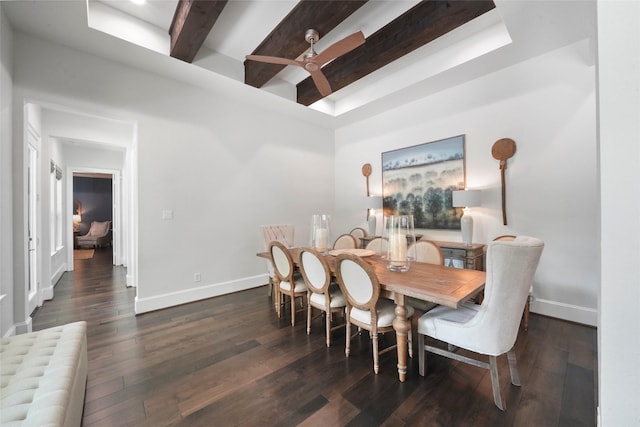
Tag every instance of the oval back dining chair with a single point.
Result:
(490, 328)
(282, 233)
(365, 308)
(358, 233)
(345, 241)
(288, 283)
(378, 244)
(428, 251)
(322, 294)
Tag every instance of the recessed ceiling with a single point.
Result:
(512, 32)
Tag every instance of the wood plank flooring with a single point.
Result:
(230, 361)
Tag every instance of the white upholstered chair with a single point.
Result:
(358, 233)
(345, 241)
(525, 314)
(288, 283)
(99, 234)
(379, 245)
(322, 294)
(490, 328)
(283, 233)
(428, 251)
(365, 309)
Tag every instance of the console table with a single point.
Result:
(472, 256)
(469, 256)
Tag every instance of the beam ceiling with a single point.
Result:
(191, 24)
(420, 25)
(287, 38)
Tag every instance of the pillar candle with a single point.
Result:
(398, 248)
(322, 239)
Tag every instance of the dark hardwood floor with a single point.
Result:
(230, 361)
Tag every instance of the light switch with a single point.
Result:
(167, 214)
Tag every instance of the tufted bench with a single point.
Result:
(44, 376)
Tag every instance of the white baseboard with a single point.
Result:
(47, 293)
(572, 313)
(24, 327)
(129, 281)
(143, 305)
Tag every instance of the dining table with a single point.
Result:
(448, 286)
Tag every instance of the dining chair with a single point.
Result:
(365, 308)
(322, 293)
(345, 241)
(428, 251)
(378, 244)
(358, 233)
(527, 306)
(490, 328)
(282, 233)
(288, 283)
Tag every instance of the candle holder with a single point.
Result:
(321, 232)
(399, 232)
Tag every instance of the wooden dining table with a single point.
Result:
(442, 285)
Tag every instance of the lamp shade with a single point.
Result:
(465, 198)
(77, 218)
(374, 202)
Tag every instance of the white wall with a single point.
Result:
(547, 105)
(6, 182)
(619, 144)
(222, 167)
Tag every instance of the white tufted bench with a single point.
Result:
(44, 375)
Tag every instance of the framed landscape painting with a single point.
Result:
(419, 181)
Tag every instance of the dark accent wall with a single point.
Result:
(96, 199)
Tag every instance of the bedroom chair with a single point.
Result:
(345, 241)
(490, 328)
(365, 309)
(99, 234)
(288, 284)
(322, 294)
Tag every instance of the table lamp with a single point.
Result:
(466, 199)
(373, 203)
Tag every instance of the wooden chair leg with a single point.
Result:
(293, 310)
(410, 341)
(526, 313)
(421, 355)
(513, 367)
(376, 362)
(347, 347)
(495, 383)
(308, 317)
(328, 327)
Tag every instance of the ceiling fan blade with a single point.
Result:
(274, 60)
(321, 82)
(339, 48)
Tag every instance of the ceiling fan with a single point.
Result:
(313, 61)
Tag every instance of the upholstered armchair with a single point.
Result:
(99, 234)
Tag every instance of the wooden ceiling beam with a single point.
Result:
(190, 26)
(287, 39)
(421, 24)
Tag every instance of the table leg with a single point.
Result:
(401, 326)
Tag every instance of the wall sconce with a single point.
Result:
(466, 199)
(373, 203)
